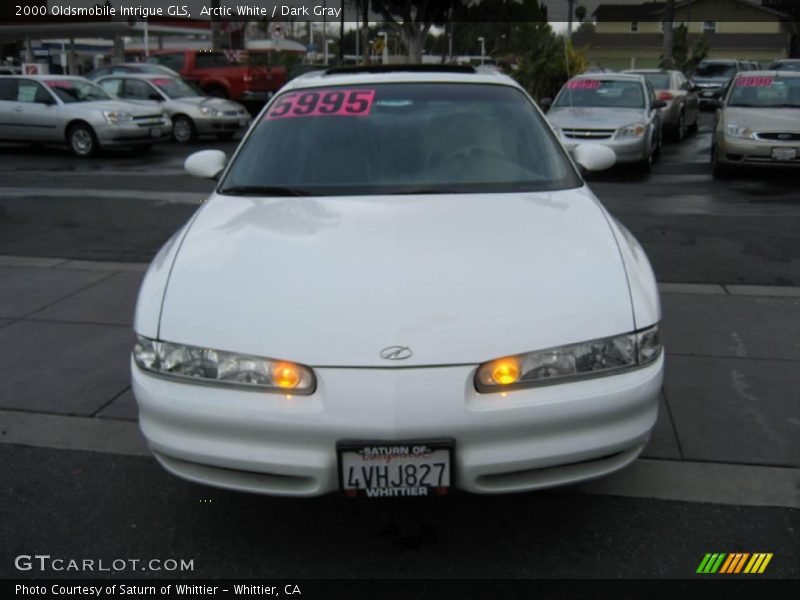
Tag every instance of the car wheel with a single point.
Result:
(680, 128)
(82, 140)
(183, 129)
(646, 165)
(655, 153)
(694, 126)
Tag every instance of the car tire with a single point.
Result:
(183, 129)
(646, 165)
(82, 140)
(695, 126)
(680, 129)
(655, 152)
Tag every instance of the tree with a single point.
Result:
(686, 59)
(412, 20)
(545, 60)
(580, 13)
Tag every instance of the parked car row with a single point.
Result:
(123, 110)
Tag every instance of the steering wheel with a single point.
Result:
(473, 151)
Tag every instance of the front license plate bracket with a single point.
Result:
(404, 468)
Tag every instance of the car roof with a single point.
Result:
(634, 71)
(399, 74)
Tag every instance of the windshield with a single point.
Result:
(75, 90)
(176, 88)
(400, 138)
(765, 92)
(715, 71)
(602, 93)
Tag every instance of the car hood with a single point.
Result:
(764, 119)
(581, 117)
(459, 279)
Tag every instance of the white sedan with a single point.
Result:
(400, 286)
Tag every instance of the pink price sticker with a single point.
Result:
(59, 83)
(754, 81)
(161, 82)
(584, 84)
(323, 103)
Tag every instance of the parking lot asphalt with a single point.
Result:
(721, 473)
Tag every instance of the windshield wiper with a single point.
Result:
(262, 190)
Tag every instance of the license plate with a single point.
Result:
(155, 132)
(708, 94)
(784, 153)
(391, 469)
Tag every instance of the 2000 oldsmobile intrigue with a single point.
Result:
(401, 285)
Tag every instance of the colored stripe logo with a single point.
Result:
(734, 563)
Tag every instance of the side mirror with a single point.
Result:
(546, 103)
(206, 164)
(594, 157)
(659, 104)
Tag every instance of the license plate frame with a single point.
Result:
(783, 154)
(349, 451)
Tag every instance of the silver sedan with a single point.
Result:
(192, 113)
(75, 111)
(615, 110)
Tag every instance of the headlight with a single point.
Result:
(204, 365)
(737, 131)
(116, 118)
(634, 130)
(214, 112)
(576, 361)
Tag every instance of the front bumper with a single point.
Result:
(214, 125)
(707, 95)
(109, 135)
(731, 151)
(627, 151)
(515, 441)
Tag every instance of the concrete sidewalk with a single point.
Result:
(730, 393)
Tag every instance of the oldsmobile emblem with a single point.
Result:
(396, 353)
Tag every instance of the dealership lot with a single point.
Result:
(720, 474)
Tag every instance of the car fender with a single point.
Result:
(645, 299)
(147, 318)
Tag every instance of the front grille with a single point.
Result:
(588, 134)
(779, 137)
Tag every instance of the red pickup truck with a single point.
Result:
(217, 76)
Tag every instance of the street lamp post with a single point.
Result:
(327, 43)
(482, 40)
